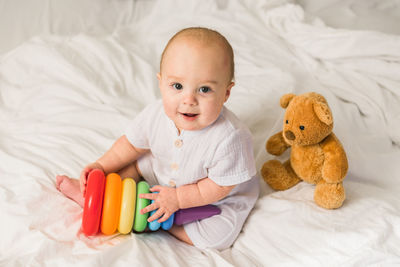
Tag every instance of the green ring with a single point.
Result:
(141, 219)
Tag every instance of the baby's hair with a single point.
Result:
(206, 36)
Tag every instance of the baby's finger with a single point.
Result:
(148, 208)
(155, 216)
(82, 187)
(148, 196)
(165, 217)
(82, 178)
(86, 172)
(155, 188)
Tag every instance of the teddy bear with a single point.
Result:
(316, 155)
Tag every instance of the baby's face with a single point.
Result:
(194, 83)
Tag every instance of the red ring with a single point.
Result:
(93, 202)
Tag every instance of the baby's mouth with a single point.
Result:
(189, 116)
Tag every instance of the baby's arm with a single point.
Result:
(121, 153)
(168, 200)
(204, 192)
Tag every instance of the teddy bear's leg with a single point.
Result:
(279, 176)
(329, 196)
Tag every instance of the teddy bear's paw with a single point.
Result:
(329, 196)
(277, 176)
(276, 144)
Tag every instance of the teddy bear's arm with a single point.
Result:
(276, 145)
(335, 164)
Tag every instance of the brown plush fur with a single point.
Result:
(317, 156)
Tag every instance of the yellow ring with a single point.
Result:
(128, 203)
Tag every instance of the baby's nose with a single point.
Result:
(189, 98)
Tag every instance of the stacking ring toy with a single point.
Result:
(114, 204)
(128, 203)
(141, 219)
(93, 202)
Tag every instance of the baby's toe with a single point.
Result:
(59, 180)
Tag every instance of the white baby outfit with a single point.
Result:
(222, 152)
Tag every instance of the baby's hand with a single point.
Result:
(84, 175)
(166, 201)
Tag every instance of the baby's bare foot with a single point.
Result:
(70, 188)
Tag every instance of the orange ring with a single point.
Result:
(111, 204)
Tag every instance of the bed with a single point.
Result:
(73, 73)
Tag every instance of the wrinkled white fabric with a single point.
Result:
(64, 100)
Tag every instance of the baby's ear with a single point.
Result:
(228, 90)
(159, 80)
(285, 100)
(323, 112)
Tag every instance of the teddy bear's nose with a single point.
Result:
(289, 135)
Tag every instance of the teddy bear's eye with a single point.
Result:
(287, 121)
(301, 127)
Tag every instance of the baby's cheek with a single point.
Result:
(215, 111)
(169, 108)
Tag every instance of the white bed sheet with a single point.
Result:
(21, 20)
(376, 15)
(65, 99)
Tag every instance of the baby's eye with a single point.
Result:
(204, 89)
(287, 121)
(177, 86)
(302, 127)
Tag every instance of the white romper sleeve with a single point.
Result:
(139, 128)
(233, 162)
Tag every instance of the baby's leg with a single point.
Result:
(131, 171)
(70, 186)
(179, 232)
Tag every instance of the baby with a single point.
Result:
(188, 144)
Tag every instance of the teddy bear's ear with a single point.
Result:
(323, 112)
(285, 100)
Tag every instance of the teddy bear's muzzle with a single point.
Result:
(290, 135)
